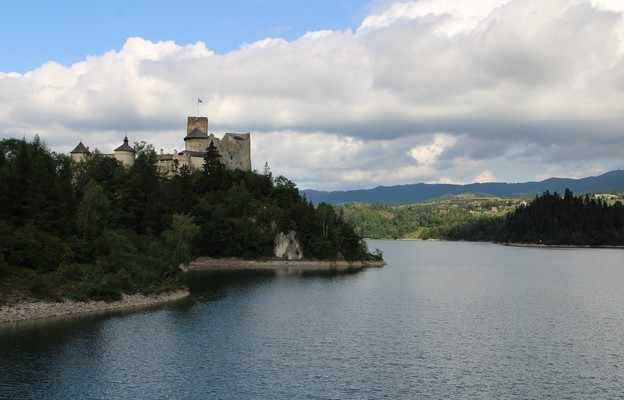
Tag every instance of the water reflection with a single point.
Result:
(213, 285)
(442, 320)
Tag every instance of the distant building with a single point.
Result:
(125, 153)
(234, 148)
(605, 196)
(80, 153)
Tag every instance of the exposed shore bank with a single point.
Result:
(41, 309)
(237, 264)
(31, 310)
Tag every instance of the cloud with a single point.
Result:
(428, 153)
(430, 90)
(485, 176)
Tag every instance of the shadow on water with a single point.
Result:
(68, 322)
(203, 285)
(214, 285)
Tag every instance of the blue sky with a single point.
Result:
(336, 94)
(38, 31)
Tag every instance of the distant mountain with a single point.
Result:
(414, 193)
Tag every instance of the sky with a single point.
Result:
(337, 95)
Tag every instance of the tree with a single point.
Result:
(35, 186)
(179, 237)
(138, 199)
(551, 219)
(214, 170)
(30, 247)
(93, 212)
(144, 147)
(326, 217)
(266, 171)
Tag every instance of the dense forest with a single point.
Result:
(569, 220)
(97, 229)
(548, 219)
(456, 218)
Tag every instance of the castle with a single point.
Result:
(234, 148)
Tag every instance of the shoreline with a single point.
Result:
(237, 264)
(31, 310)
(559, 246)
(28, 311)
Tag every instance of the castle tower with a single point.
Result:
(200, 123)
(125, 153)
(235, 148)
(196, 139)
(80, 153)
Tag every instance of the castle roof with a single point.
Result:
(80, 149)
(125, 146)
(196, 134)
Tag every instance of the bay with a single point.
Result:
(441, 320)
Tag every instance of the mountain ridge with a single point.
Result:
(419, 192)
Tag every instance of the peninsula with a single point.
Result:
(103, 227)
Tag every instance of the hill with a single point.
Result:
(569, 220)
(414, 193)
(97, 229)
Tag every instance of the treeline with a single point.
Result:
(420, 221)
(569, 220)
(549, 219)
(97, 229)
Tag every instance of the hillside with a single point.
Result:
(98, 229)
(570, 220)
(408, 194)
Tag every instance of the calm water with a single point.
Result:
(442, 320)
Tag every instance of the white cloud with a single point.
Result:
(485, 176)
(518, 87)
(576, 172)
(458, 16)
(429, 152)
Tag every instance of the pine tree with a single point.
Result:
(266, 171)
(214, 170)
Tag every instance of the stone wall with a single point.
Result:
(126, 158)
(235, 150)
(200, 123)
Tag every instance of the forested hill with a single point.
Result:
(97, 229)
(414, 193)
(569, 220)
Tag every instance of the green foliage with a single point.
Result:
(233, 222)
(43, 286)
(568, 220)
(97, 229)
(451, 218)
(179, 237)
(472, 228)
(92, 215)
(35, 186)
(214, 170)
(32, 248)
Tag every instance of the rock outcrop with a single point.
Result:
(287, 246)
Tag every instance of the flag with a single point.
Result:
(199, 100)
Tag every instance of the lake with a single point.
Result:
(441, 320)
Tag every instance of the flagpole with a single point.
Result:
(198, 101)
